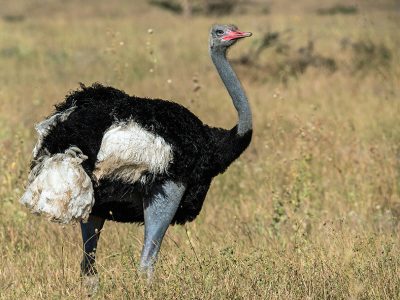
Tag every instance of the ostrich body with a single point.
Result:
(149, 161)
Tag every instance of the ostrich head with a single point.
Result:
(224, 36)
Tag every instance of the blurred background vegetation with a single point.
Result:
(310, 211)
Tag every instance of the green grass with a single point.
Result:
(310, 211)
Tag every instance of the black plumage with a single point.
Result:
(200, 152)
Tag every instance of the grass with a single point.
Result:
(310, 211)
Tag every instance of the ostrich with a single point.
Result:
(105, 155)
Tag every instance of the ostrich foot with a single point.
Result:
(90, 284)
(146, 273)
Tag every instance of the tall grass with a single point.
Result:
(310, 211)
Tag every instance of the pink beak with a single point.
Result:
(233, 35)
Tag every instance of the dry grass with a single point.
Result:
(310, 211)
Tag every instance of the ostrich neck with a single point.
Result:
(235, 90)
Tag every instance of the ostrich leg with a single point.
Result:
(90, 235)
(159, 209)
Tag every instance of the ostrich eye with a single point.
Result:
(219, 32)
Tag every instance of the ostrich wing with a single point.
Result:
(129, 152)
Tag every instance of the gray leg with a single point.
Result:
(90, 235)
(159, 209)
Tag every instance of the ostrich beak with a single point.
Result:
(234, 35)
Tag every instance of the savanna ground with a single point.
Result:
(310, 211)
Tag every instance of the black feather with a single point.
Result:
(200, 152)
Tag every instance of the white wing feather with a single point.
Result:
(128, 151)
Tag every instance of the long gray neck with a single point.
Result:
(235, 90)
